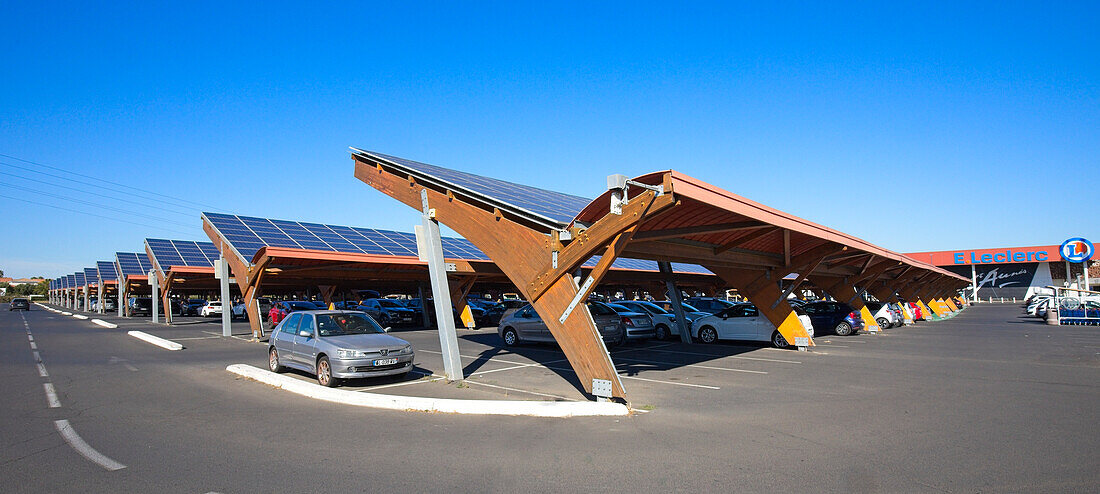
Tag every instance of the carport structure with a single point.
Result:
(184, 265)
(540, 237)
(91, 282)
(107, 279)
(133, 277)
(281, 256)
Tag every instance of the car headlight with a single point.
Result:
(407, 349)
(347, 353)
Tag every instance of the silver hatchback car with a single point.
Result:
(525, 325)
(336, 345)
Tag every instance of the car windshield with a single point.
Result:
(345, 324)
(389, 303)
(656, 309)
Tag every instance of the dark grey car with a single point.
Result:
(526, 325)
(336, 345)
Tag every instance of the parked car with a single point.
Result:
(110, 304)
(286, 307)
(388, 312)
(639, 325)
(884, 314)
(664, 321)
(416, 305)
(709, 304)
(525, 325)
(211, 308)
(320, 304)
(744, 322)
(193, 306)
(335, 345)
(492, 311)
(835, 317)
(19, 304)
(918, 314)
(140, 306)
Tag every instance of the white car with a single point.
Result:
(884, 315)
(211, 308)
(744, 322)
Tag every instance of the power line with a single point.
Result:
(93, 214)
(205, 206)
(191, 213)
(102, 206)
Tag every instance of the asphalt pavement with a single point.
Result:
(985, 402)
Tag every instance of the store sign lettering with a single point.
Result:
(1006, 256)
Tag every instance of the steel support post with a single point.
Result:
(677, 303)
(154, 285)
(437, 270)
(222, 272)
(121, 296)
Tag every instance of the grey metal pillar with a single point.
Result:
(120, 297)
(974, 282)
(430, 247)
(221, 271)
(100, 306)
(677, 303)
(423, 305)
(155, 287)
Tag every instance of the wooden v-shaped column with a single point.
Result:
(761, 287)
(524, 255)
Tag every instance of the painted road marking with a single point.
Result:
(761, 359)
(42, 370)
(51, 396)
(66, 430)
(34, 346)
(675, 364)
(520, 390)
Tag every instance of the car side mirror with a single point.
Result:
(306, 334)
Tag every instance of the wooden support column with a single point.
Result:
(248, 278)
(326, 293)
(459, 292)
(524, 255)
(844, 289)
(762, 289)
(165, 287)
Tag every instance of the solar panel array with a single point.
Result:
(106, 270)
(78, 279)
(91, 275)
(133, 263)
(170, 253)
(556, 206)
(248, 234)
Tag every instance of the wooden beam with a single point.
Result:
(698, 230)
(745, 239)
(786, 247)
(762, 291)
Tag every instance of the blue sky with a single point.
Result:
(927, 127)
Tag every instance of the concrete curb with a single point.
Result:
(80, 316)
(424, 404)
(66, 313)
(105, 324)
(156, 340)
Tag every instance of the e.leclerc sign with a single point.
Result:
(1001, 257)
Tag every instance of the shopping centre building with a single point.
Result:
(1014, 271)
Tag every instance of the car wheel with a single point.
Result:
(883, 323)
(510, 337)
(779, 341)
(843, 329)
(324, 373)
(273, 361)
(663, 333)
(708, 334)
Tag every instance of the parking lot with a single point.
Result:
(986, 401)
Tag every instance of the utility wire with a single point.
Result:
(205, 206)
(96, 215)
(190, 214)
(101, 206)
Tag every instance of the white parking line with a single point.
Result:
(197, 338)
(34, 346)
(82, 447)
(677, 364)
(406, 383)
(669, 382)
(739, 357)
(42, 370)
(37, 357)
(494, 359)
(51, 396)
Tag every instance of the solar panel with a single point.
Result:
(169, 253)
(70, 281)
(106, 270)
(91, 275)
(79, 279)
(133, 263)
(557, 207)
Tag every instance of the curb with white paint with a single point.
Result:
(80, 316)
(66, 313)
(156, 340)
(105, 324)
(424, 404)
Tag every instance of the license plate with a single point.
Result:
(385, 361)
(610, 328)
